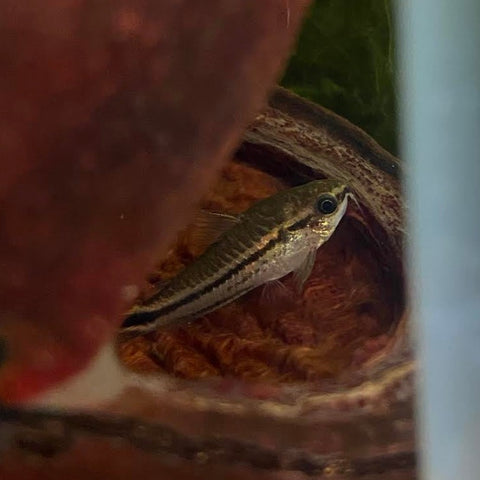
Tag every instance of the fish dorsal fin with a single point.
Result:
(301, 274)
(209, 226)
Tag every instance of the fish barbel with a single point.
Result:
(274, 237)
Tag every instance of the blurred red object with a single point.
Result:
(116, 115)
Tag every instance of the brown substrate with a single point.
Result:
(343, 316)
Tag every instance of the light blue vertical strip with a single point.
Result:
(439, 70)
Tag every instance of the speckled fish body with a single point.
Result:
(274, 237)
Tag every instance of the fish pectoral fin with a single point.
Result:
(208, 226)
(274, 291)
(301, 274)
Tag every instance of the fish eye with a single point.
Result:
(327, 204)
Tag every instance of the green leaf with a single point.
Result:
(344, 61)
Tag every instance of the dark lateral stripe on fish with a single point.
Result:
(221, 302)
(144, 318)
(140, 318)
(300, 224)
